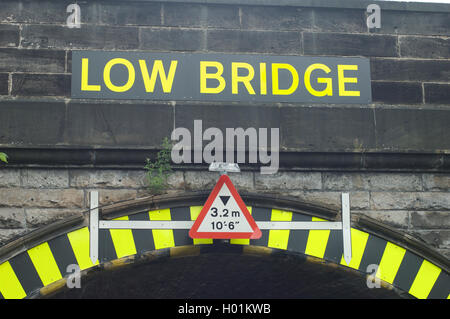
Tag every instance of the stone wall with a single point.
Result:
(392, 155)
(36, 44)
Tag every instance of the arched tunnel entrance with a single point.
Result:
(151, 263)
(223, 272)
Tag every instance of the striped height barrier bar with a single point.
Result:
(95, 224)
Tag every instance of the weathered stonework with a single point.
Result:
(45, 178)
(373, 181)
(12, 218)
(288, 181)
(46, 198)
(37, 217)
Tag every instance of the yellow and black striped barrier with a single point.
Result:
(43, 266)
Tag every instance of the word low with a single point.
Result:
(257, 147)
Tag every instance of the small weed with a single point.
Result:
(158, 171)
(3, 157)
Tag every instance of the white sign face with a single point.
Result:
(224, 215)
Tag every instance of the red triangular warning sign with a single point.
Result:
(224, 215)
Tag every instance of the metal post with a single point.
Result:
(93, 226)
(346, 228)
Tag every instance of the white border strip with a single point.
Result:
(126, 224)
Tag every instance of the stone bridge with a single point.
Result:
(391, 155)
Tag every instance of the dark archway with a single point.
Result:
(222, 272)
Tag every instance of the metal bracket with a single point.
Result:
(224, 168)
(95, 224)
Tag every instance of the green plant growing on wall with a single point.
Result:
(158, 171)
(3, 157)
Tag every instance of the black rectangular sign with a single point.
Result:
(219, 77)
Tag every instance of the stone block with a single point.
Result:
(172, 39)
(4, 83)
(445, 252)
(176, 181)
(435, 238)
(245, 41)
(200, 16)
(184, 14)
(276, 18)
(397, 92)
(346, 128)
(410, 22)
(205, 180)
(420, 130)
(430, 219)
(51, 198)
(393, 218)
(124, 13)
(40, 85)
(86, 37)
(436, 182)
(424, 47)
(410, 200)
(358, 200)
(222, 16)
(437, 93)
(9, 177)
(37, 123)
(349, 44)
(7, 235)
(50, 12)
(9, 35)
(38, 217)
(409, 70)
(111, 196)
(19, 60)
(69, 62)
(289, 181)
(12, 218)
(83, 178)
(225, 116)
(340, 20)
(45, 178)
(372, 181)
(118, 124)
